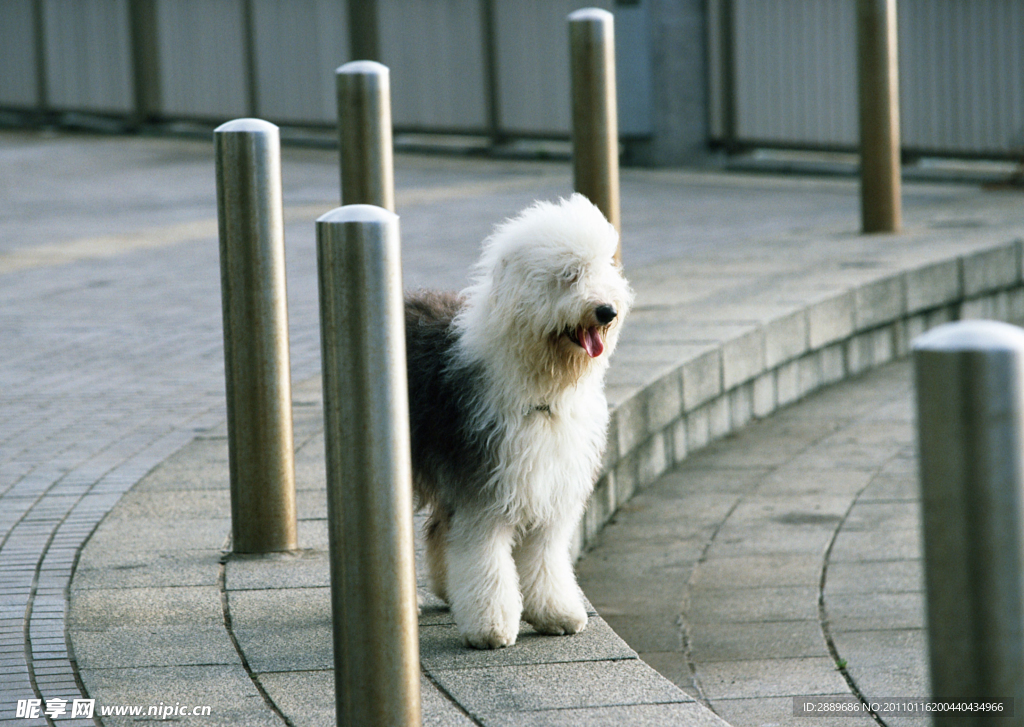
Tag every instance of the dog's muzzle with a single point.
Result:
(589, 338)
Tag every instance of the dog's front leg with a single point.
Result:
(483, 588)
(552, 601)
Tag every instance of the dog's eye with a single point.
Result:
(568, 277)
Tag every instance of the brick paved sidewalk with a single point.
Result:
(110, 314)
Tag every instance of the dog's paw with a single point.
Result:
(559, 623)
(491, 639)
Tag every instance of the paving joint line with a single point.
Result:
(429, 676)
(684, 624)
(823, 619)
(228, 626)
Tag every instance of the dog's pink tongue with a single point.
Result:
(591, 341)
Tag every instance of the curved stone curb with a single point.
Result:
(749, 352)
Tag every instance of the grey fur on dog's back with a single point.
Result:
(445, 452)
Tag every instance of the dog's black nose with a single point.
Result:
(605, 314)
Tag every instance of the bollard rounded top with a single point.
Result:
(358, 213)
(247, 126)
(591, 15)
(363, 68)
(971, 336)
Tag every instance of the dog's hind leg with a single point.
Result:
(437, 557)
(552, 601)
(483, 587)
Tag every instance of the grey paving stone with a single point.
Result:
(286, 647)
(120, 569)
(808, 373)
(625, 476)
(489, 693)
(762, 640)
(208, 469)
(719, 418)
(631, 423)
(897, 545)
(313, 535)
(794, 510)
(741, 405)
(758, 571)
(873, 611)
(779, 711)
(653, 457)
(280, 607)
(787, 383)
(830, 320)
(883, 517)
(681, 513)
(304, 569)
(163, 535)
(646, 714)
(433, 611)
(676, 667)
(154, 646)
(886, 664)
(702, 378)
(712, 606)
(311, 504)
(232, 697)
(903, 465)
(794, 479)
(173, 505)
(770, 677)
(638, 593)
(110, 608)
(833, 364)
(932, 285)
(991, 269)
(631, 556)
(785, 337)
(764, 397)
(664, 401)
(307, 700)
(878, 302)
(735, 540)
(441, 648)
(649, 632)
(748, 449)
(887, 576)
(743, 358)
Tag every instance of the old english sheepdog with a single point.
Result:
(509, 417)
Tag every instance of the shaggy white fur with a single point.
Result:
(535, 329)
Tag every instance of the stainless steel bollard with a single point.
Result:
(970, 407)
(879, 102)
(369, 470)
(595, 122)
(256, 359)
(364, 133)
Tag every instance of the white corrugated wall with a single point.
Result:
(794, 84)
(961, 74)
